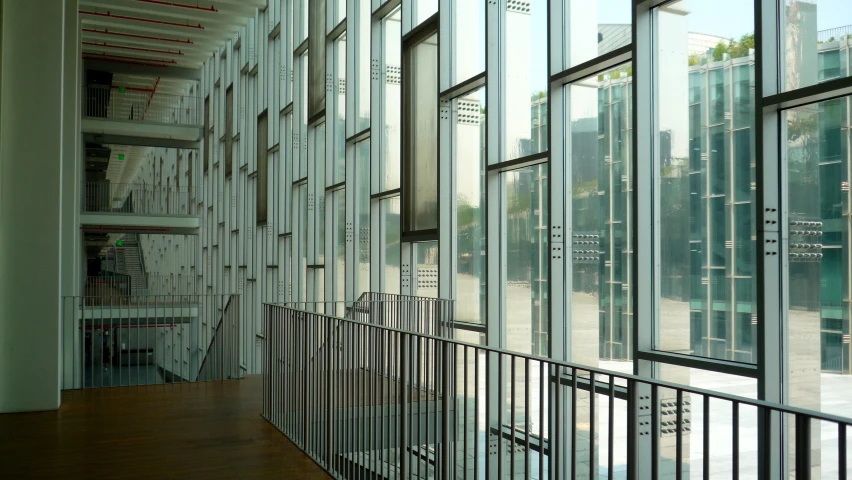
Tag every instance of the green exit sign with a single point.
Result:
(121, 156)
(119, 243)
(120, 89)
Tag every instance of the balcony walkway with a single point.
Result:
(200, 430)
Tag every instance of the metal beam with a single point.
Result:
(130, 69)
(164, 10)
(140, 141)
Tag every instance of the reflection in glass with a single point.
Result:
(420, 195)
(705, 163)
(391, 131)
(818, 39)
(468, 39)
(593, 28)
(469, 163)
(362, 211)
(526, 257)
(601, 243)
(525, 70)
(818, 272)
(390, 225)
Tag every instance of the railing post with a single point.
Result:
(803, 447)
(404, 392)
(639, 431)
(446, 439)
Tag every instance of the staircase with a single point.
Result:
(129, 261)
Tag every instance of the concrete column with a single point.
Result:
(31, 164)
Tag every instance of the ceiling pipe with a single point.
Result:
(138, 49)
(125, 57)
(180, 5)
(143, 37)
(150, 98)
(141, 19)
(135, 89)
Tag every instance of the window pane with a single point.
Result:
(818, 37)
(468, 39)
(591, 31)
(817, 223)
(302, 107)
(362, 67)
(362, 211)
(469, 163)
(705, 167)
(391, 133)
(390, 210)
(420, 196)
(339, 13)
(525, 70)
(425, 9)
(319, 196)
(339, 170)
(526, 258)
(316, 41)
(601, 203)
(339, 266)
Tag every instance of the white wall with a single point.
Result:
(31, 152)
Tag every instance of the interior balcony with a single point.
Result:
(138, 208)
(140, 116)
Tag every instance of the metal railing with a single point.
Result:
(107, 197)
(115, 103)
(427, 315)
(389, 403)
(109, 285)
(111, 341)
(832, 34)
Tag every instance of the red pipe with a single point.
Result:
(138, 49)
(144, 37)
(141, 19)
(133, 89)
(170, 4)
(125, 57)
(143, 64)
(150, 98)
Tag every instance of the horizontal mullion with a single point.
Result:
(358, 137)
(385, 9)
(386, 194)
(336, 32)
(421, 32)
(595, 66)
(710, 364)
(420, 235)
(302, 48)
(464, 88)
(336, 186)
(820, 92)
(470, 327)
(517, 163)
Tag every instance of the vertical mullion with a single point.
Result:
(769, 176)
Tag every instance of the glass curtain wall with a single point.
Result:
(578, 195)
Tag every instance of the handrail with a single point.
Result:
(309, 399)
(600, 371)
(115, 103)
(107, 197)
(122, 340)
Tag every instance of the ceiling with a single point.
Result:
(160, 33)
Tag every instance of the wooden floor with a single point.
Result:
(199, 431)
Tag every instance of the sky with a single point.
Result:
(713, 17)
